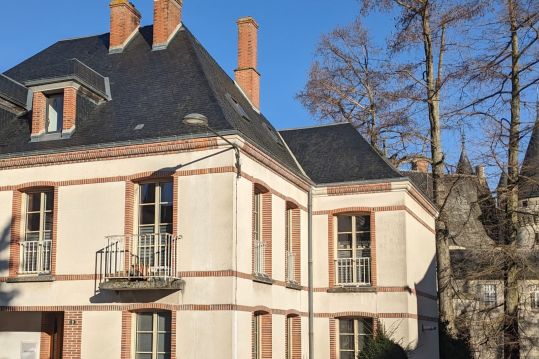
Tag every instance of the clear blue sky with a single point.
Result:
(289, 32)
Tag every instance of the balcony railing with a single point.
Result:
(353, 271)
(36, 257)
(129, 260)
(260, 258)
(291, 267)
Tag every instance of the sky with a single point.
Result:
(289, 33)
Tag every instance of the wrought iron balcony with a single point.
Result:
(139, 262)
(353, 271)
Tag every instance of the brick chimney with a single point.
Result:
(480, 172)
(420, 165)
(124, 21)
(247, 75)
(167, 17)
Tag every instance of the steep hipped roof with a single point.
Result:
(337, 153)
(529, 174)
(464, 167)
(153, 88)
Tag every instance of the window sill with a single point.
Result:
(32, 279)
(261, 278)
(364, 289)
(293, 285)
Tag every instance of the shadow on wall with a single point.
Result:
(6, 295)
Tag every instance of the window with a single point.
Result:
(290, 255)
(534, 297)
(289, 337)
(153, 336)
(257, 337)
(55, 113)
(37, 244)
(259, 245)
(353, 260)
(353, 335)
(489, 294)
(155, 225)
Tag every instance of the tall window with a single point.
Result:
(155, 226)
(259, 245)
(257, 336)
(353, 262)
(37, 244)
(153, 336)
(55, 113)
(290, 255)
(353, 335)
(289, 337)
(534, 297)
(489, 294)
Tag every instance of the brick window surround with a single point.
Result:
(295, 234)
(332, 221)
(264, 330)
(266, 226)
(17, 226)
(129, 326)
(39, 111)
(296, 336)
(334, 339)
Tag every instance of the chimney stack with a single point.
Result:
(247, 75)
(420, 165)
(124, 21)
(167, 17)
(480, 172)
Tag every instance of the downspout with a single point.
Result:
(310, 271)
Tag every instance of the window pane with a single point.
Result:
(33, 236)
(344, 254)
(144, 342)
(347, 355)
(344, 223)
(346, 342)
(48, 221)
(165, 229)
(147, 193)
(365, 326)
(363, 223)
(166, 192)
(166, 214)
(163, 322)
(48, 201)
(345, 241)
(163, 356)
(363, 239)
(363, 340)
(147, 214)
(144, 322)
(346, 326)
(144, 356)
(34, 202)
(163, 342)
(33, 222)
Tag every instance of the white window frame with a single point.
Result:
(489, 294)
(157, 205)
(257, 336)
(356, 334)
(258, 216)
(355, 261)
(534, 297)
(155, 333)
(60, 116)
(41, 244)
(290, 337)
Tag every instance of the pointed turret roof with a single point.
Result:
(464, 167)
(529, 174)
(502, 184)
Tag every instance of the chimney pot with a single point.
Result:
(167, 17)
(247, 75)
(124, 21)
(420, 165)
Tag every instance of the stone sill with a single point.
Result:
(264, 279)
(352, 290)
(31, 279)
(136, 285)
(293, 285)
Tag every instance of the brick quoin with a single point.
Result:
(247, 75)
(70, 108)
(127, 323)
(72, 335)
(332, 338)
(167, 15)
(39, 110)
(124, 20)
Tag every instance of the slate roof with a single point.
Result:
(337, 153)
(154, 88)
(464, 167)
(529, 180)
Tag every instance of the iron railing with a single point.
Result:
(353, 271)
(13, 91)
(291, 267)
(142, 256)
(260, 258)
(36, 257)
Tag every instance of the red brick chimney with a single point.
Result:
(167, 17)
(124, 21)
(247, 75)
(420, 165)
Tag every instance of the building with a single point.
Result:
(131, 228)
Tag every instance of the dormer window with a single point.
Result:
(55, 113)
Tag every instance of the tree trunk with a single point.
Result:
(445, 275)
(511, 270)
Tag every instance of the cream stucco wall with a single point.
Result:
(18, 328)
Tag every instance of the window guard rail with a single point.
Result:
(36, 257)
(260, 258)
(353, 271)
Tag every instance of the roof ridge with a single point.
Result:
(315, 126)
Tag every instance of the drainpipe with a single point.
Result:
(310, 270)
